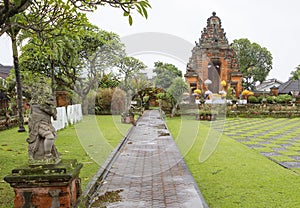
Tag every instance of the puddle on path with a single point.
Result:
(109, 197)
(160, 126)
(163, 133)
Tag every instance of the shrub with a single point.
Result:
(252, 99)
(107, 101)
(270, 99)
(283, 98)
(118, 101)
(259, 99)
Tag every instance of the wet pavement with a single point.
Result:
(148, 171)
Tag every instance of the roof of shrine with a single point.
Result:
(289, 86)
(213, 35)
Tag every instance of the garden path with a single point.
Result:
(147, 171)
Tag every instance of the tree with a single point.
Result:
(37, 18)
(129, 67)
(9, 9)
(13, 32)
(46, 12)
(53, 40)
(165, 74)
(108, 81)
(99, 53)
(255, 62)
(77, 64)
(12, 8)
(176, 90)
(296, 74)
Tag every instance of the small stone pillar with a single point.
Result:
(47, 186)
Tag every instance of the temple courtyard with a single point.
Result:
(252, 162)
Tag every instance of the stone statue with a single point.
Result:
(42, 135)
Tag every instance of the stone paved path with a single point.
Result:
(149, 171)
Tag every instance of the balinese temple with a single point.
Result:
(213, 61)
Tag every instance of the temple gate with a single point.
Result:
(213, 60)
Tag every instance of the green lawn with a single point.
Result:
(81, 142)
(235, 175)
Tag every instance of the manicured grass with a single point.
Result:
(238, 176)
(92, 133)
(233, 176)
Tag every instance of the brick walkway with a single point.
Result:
(149, 171)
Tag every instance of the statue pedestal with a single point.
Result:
(46, 186)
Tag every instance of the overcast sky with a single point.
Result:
(270, 23)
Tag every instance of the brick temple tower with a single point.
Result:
(213, 59)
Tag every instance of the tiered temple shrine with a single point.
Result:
(213, 59)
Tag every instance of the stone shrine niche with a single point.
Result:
(213, 59)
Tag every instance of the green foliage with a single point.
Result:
(283, 98)
(130, 68)
(177, 88)
(270, 99)
(260, 99)
(54, 50)
(106, 101)
(108, 81)
(230, 94)
(139, 82)
(165, 74)
(296, 74)
(255, 62)
(103, 100)
(279, 99)
(253, 99)
(118, 101)
(18, 8)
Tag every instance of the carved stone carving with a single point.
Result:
(42, 135)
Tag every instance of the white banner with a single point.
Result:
(72, 114)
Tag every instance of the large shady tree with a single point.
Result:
(255, 62)
(11, 8)
(40, 21)
(165, 74)
(129, 68)
(13, 15)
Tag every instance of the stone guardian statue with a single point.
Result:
(42, 135)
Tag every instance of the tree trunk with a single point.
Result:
(52, 77)
(18, 82)
(84, 106)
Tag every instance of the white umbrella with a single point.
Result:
(222, 92)
(208, 92)
(207, 82)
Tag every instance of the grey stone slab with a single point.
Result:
(294, 139)
(265, 142)
(268, 154)
(254, 146)
(279, 149)
(286, 145)
(295, 157)
(290, 164)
